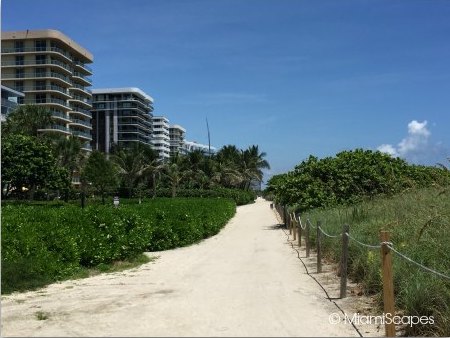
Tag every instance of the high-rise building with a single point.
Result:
(121, 116)
(161, 138)
(51, 70)
(189, 146)
(10, 98)
(177, 134)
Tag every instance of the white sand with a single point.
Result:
(245, 281)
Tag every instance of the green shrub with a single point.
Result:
(419, 222)
(43, 243)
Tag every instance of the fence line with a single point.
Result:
(369, 246)
(418, 264)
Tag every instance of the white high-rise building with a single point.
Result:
(177, 134)
(161, 136)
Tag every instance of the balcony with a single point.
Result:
(86, 102)
(81, 88)
(80, 123)
(57, 128)
(87, 147)
(79, 76)
(83, 66)
(33, 75)
(51, 101)
(82, 134)
(50, 88)
(24, 50)
(81, 111)
(60, 115)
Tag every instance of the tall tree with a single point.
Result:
(27, 120)
(251, 165)
(101, 172)
(27, 163)
(133, 163)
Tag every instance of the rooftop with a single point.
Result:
(133, 90)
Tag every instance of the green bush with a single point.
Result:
(348, 178)
(241, 197)
(419, 222)
(43, 243)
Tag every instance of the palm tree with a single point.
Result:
(27, 120)
(251, 165)
(226, 174)
(175, 173)
(134, 163)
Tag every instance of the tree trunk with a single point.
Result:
(174, 190)
(154, 185)
(83, 199)
(31, 193)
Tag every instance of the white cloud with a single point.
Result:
(413, 145)
(417, 138)
(388, 149)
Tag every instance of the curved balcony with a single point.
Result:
(39, 50)
(74, 110)
(80, 123)
(47, 88)
(49, 102)
(60, 116)
(84, 101)
(81, 78)
(57, 129)
(81, 89)
(82, 134)
(82, 66)
(33, 76)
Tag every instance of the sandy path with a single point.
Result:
(246, 281)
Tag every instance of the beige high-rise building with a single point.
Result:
(51, 70)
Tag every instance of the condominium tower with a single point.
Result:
(177, 134)
(52, 71)
(161, 137)
(121, 116)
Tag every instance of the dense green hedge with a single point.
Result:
(349, 177)
(44, 243)
(241, 197)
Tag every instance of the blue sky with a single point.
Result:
(295, 77)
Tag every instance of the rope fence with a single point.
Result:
(386, 247)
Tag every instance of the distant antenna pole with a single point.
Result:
(209, 138)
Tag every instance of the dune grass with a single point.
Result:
(419, 222)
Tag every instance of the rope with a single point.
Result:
(299, 221)
(328, 235)
(307, 220)
(321, 286)
(363, 244)
(390, 246)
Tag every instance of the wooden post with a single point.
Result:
(290, 222)
(388, 283)
(299, 228)
(294, 224)
(284, 216)
(307, 243)
(319, 249)
(344, 261)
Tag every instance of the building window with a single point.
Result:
(19, 86)
(39, 85)
(20, 73)
(40, 98)
(19, 60)
(19, 46)
(39, 72)
(40, 45)
(40, 59)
